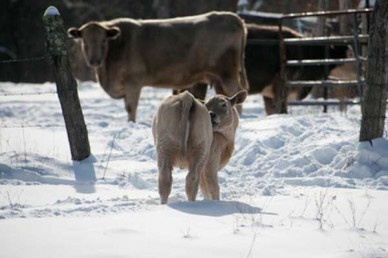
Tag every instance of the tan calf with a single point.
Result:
(182, 132)
(225, 119)
(189, 135)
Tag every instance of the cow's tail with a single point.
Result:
(187, 101)
(243, 74)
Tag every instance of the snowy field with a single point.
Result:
(298, 185)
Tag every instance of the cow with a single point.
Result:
(262, 64)
(182, 132)
(177, 8)
(223, 111)
(199, 137)
(176, 53)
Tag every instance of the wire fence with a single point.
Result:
(10, 94)
(17, 60)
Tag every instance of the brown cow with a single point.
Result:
(262, 64)
(186, 136)
(177, 53)
(263, 74)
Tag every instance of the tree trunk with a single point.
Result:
(375, 96)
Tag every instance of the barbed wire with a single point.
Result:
(27, 94)
(26, 125)
(30, 126)
(19, 60)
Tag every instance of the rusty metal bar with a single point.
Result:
(325, 13)
(321, 103)
(327, 83)
(335, 40)
(281, 88)
(318, 62)
(357, 54)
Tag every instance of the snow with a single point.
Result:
(51, 11)
(298, 185)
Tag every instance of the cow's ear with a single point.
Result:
(239, 97)
(74, 33)
(113, 32)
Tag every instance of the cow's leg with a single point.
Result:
(199, 90)
(269, 105)
(229, 87)
(280, 95)
(210, 177)
(192, 183)
(132, 95)
(203, 186)
(165, 178)
(196, 165)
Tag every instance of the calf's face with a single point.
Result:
(222, 109)
(94, 39)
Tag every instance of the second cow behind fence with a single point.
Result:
(188, 134)
(177, 53)
(262, 64)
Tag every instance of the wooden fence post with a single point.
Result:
(66, 85)
(375, 94)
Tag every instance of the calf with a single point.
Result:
(189, 135)
(225, 119)
(177, 53)
(182, 131)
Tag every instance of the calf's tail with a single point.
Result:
(187, 102)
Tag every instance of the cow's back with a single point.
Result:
(187, 47)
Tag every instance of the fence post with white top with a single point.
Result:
(66, 84)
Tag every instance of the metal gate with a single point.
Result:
(356, 40)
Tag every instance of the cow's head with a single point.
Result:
(94, 37)
(222, 109)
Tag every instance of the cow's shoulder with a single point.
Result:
(226, 18)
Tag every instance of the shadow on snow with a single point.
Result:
(216, 208)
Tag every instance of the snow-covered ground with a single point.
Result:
(298, 185)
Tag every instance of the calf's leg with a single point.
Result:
(165, 179)
(203, 186)
(210, 180)
(196, 165)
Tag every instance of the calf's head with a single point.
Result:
(222, 110)
(94, 38)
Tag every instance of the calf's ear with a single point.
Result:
(239, 97)
(113, 32)
(74, 33)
